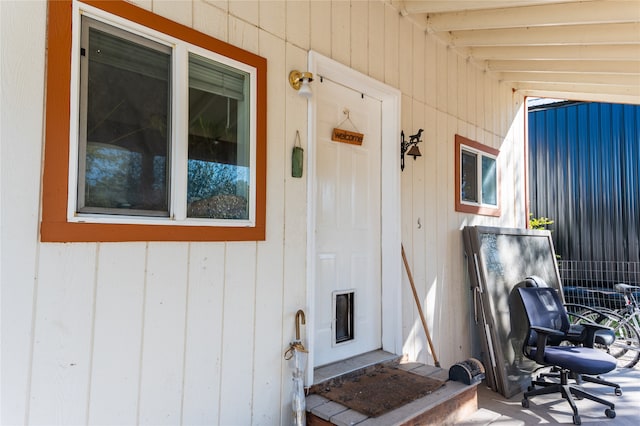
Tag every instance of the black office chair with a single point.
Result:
(545, 317)
(577, 334)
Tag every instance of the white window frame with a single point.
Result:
(179, 126)
(479, 155)
(480, 150)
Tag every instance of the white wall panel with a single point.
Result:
(298, 23)
(409, 310)
(320, 13)
(359, 32)
(430, 70)
(440, 237)
(119, 308)
(246, 10)
(430, 224)
(417, 226)
(273, 17)
(457, 290)
(405, 59)
(204, 340)
(418, 71)
(488, 106)
(376, 40)
(63, 334)
(391, 46)
(471, 97)
(210, 20)
(243, 34)
(340, 31)
(267, 366)
(176, 10)
(462, 88)
(163, 334)
(21, 85)
(452, 83)
(294, 289)
(238, 335)
(479, 99)
(442, 77)
(144, 4)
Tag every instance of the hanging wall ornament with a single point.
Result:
(297, 157)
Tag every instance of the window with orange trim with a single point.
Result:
(477, 182)
(159, 134)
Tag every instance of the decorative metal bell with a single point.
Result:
(414, 151)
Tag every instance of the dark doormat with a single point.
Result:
(379, 391)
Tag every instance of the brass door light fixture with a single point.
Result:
(411, 145)
(300, 80)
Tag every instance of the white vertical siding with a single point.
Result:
(359, 32)
(194, 333)
(267, 368)
(118, 322)
(163, 333)
(376, 40)
(21, 110)
(341, 31)
(63, 334)
(294, 290)
(203, 349)
(238, 334)
(391, 46)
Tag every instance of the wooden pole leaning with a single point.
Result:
(418, 304)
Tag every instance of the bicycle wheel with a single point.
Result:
(626, 347)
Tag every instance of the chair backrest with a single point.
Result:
(534, 281)
(543, 308)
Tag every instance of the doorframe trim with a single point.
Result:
(390, 202)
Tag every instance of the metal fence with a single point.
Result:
(584, 174)
(592, 283)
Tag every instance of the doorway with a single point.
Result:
(354, 263)
(348, 287)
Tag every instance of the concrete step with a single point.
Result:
(451, 403)
(484, 417)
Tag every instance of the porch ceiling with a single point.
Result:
(569, 49)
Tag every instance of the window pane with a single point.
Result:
(124, 135)
(469, 172)
(219, 148)
(489, 181)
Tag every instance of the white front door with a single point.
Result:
(348, 260)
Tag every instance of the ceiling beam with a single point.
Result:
(439, 6)
(537, 16)
(538, 36)
(579, 96)
(602, 67)
(604, 52)
(586, 95)
(577, 78)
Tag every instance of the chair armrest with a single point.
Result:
(543, 333)
(592, 329)
(547, 331)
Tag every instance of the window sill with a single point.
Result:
(52, 231)
(480, 210)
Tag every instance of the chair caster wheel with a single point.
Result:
(577, 420)
(525, 403)
(618, 392)
(610, 413)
